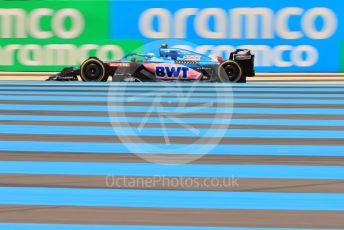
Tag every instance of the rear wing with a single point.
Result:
(245, 59)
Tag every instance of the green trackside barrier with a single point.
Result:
(47, 35)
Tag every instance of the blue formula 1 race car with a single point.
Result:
(172, 64)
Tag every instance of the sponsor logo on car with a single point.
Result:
(175, 72)
(119, 64)
(243, 57)
(192, 57)
(186, 62)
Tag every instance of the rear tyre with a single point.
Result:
(93, 70)
(230, 71)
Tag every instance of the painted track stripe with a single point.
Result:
(181, 95)
(21, 226)
(182, 84)
(167, 183)
(179, 115)
(113, 148)
(186, 84)
(166, 84)
(173, 217)
(190, 106)
(188, 170)
(166, 120)
(113, 110)
(172, 132)
(173, 142)
(173, 158)
(171, 199)
(171, 125)
(175, 88)
(303, 93)
(174, 99)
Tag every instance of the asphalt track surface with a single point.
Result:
(171, 156)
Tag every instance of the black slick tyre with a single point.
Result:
(93, 70)
(229, 71)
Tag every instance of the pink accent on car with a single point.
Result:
(172, 71)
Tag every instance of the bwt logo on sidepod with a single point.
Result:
(168, 71)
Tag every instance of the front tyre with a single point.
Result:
(230, 71)
(93, 70)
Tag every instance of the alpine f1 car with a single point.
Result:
(171, 64)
